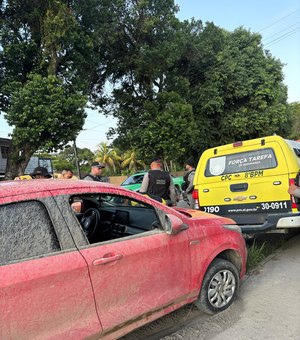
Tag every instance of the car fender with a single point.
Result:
(238, 254)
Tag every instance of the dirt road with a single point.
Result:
(268, 307)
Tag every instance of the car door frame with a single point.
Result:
(32, 272)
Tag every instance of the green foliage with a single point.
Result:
(191, 86)
(45, 113)
(131, 162)
(256, 253)
(48, 60)
(178, 87)
(66, 159)
(61, 164)
(258, 250)
(169, 127)
(236, 87)
(294, 110)
(108, 157)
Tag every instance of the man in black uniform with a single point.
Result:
(95, 174)
(159, 183)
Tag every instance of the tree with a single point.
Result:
(52, 45)
(131, 162)
(294, 110)
(40, 111)
(178, 87)
(221, 86)
(107, 156)
(153, 118)
(236, 88)
(66, 158)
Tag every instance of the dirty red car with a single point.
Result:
(80, 259)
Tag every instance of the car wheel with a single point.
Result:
(219, 287)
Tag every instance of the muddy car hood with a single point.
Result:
(200, 215)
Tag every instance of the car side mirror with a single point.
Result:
(174, 225)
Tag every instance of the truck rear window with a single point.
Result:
(241, 162)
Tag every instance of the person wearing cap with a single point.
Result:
(40, 173)
(159, 183)
(95, 174)
(188, 185)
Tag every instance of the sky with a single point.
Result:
(277, 21)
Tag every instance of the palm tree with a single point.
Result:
(107, 156)
(131, 162)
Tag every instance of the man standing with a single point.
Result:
(159, 183)
(95, 174)
(188, 182)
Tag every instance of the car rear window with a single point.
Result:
(25, 231)
(241, 162)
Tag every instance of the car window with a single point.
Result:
(139, 179)
(25, 231)
(133, 180)
(241, 162)
(128, 181)
(107, 217)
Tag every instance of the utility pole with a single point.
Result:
(76, 160)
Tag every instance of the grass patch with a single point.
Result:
(258, 251)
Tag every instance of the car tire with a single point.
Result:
(219, 287)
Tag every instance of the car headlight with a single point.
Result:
(233, 227)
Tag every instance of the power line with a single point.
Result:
(286, 35)
(273, 35)
(100, 124)
(91, 121)
(275, 22)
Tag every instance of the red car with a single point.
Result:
(81, 259)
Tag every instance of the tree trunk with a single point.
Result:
(18, 158)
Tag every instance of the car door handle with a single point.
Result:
(107, 259)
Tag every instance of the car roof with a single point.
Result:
(18, 187)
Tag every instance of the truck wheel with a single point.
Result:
(219, 287)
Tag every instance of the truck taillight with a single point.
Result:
(294, 204)
(196, 198)
(195, 194)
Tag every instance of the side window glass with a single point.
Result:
(108, 217)
(140, 179)
(25, 231)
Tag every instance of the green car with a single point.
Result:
(134, 182)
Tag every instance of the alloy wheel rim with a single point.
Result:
(221, 288)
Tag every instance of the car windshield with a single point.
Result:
(133, 179)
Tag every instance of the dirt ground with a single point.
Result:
(267, 307)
